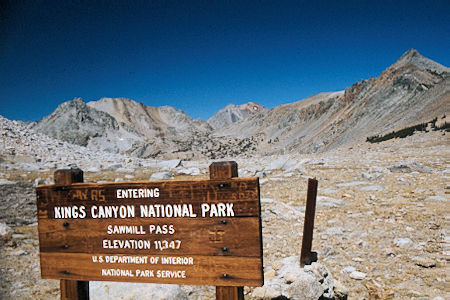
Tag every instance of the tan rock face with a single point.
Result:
(150, 121)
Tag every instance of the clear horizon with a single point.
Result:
(200, 56)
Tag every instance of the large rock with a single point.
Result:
(4, 229)
(189, 171)
(135, 291)
(403, 243)
(329, 201)
(407, 167)
(168, 164)
(161, 176)
(293, 282)
(6, 181)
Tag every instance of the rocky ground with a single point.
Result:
(381, 227)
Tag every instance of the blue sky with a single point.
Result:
(199, 56)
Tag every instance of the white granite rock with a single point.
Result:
(5, 181)
(437, 198)
(93, 169)
(4, 229)
(135, 291)
(348, 269)
(267, 200)
(372, 188)
(189, 171)
(293, 282)
(161, 176)
(329, 202)
(403, 242)
(357, 275)
(169, 164)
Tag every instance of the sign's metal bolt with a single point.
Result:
(66, 246)
(224, 222)
(225, 276)
(221, 185)
(66, 224)
(224, 249)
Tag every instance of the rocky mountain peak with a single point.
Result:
(233, 113)
(409, 54)
(75, 122)
(413, 58)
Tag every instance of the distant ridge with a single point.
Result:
(414, 89)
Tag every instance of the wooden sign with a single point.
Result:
(203, 232)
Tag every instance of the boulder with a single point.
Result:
(372, 188)
(293, 282)
(161, 176)
(329, 201)
(39, 181)
(6, 181)
(407, 167)
(4, 229)
(371, 175)
(403, 242)
(93, 169)
(267, 200)
(189, 171)
(169, 164)
(114, 167)
(357, 275)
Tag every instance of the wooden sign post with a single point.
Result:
(201, 232)
(225, 170)
(71, 289)
(306, 255)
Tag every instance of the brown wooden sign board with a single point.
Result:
(202, 232)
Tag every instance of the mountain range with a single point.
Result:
(414, 89)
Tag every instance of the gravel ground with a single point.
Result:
(381, 221)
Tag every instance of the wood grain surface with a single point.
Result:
(206, 270)
(243, 192)
(225, 247)
(197, 236)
